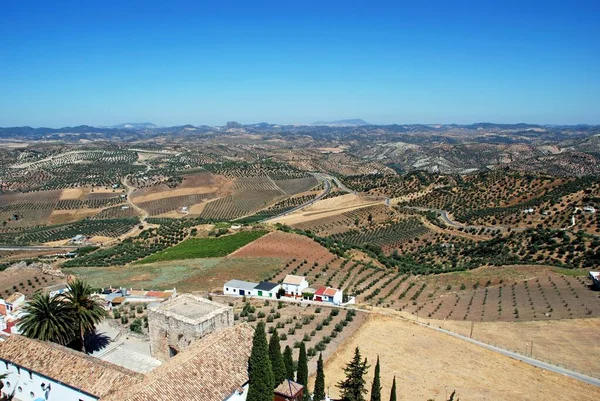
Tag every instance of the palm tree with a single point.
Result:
(85, 310)
(48, 319)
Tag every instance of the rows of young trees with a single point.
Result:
(38, 235)
(268, 367)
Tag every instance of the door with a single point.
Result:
(242, 292)
(259, 293)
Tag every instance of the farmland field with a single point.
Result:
(205, 247)
(572, 343)
(189, 275)
(26, 281)
(425, 362)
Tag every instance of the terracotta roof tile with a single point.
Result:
(321, 291)
(289, 388)
(294, 280)
(211, 369)
(330, 292)
(73, 368)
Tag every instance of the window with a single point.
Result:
(30, 376)
(20, 389)
(172, 352)
(32, 395)
(18, 371)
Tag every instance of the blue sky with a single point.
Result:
(179, 62)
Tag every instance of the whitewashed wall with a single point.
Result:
(28, 386)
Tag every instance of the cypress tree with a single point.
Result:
(393, 393)
(319, 393)
(277, 365)
(259, 368)
(376, 387)
(353, 387)
(288, 361)
(302, 375)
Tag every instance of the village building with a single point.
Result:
(78, 239)
(239, 287)
(267, 289)
(289, 391)
(595, 277)
(9, 308)
(214, 368)
(176, 323)
(294, 285)
(589, 209)
(41, 371)
(12, 303)
(57, 289)
(328, 294)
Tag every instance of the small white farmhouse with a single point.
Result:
(239, 287)
(294, 285)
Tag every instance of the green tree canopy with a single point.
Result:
(376, 387)
(288, 361)
(302, 375)
(277, 365)
(48, 319)
(352, 388)
(85, 311)
(260, 375)
(393, 392)
(319, 393)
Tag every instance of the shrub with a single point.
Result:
(136, 326)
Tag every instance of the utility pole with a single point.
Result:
(531, 349)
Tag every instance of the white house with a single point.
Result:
(328, 294)
(239, 287)
(294, 285)
(267, 290)
(12, 303)
(78, 239)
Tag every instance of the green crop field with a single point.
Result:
(185, 275)
(194, 248)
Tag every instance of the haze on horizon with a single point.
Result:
(103, 62)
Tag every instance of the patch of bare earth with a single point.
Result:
(326, 208)
(426, 362)
(572, 343)
(69, 216)
(279, 244)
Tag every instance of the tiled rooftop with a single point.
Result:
(211, 369)
(294, 280)
(73, 368)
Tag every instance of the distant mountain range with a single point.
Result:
(352, 130)
(133, 126)
(350, 122)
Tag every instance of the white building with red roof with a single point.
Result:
(329, 294)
